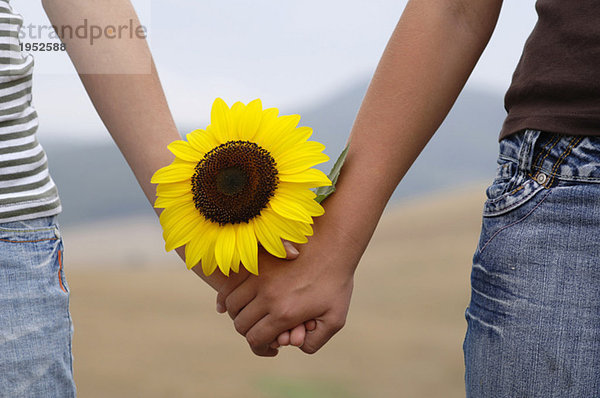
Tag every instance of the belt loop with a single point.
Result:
(526, 153)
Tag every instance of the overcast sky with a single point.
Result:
(288, 53)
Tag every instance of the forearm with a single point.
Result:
(429, 57)
(130, 102)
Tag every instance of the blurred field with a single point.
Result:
(146, 327)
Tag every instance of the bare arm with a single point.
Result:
(429, 57)
(121, 80)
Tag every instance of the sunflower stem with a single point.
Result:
(324, 192)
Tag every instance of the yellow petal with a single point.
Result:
(237, 115)
(174, 172)
(167, 201)
(286, 229)
(174, 189)
(297, 186)
(289, 209)
(235, 261)
(288, 142)
(268, 239)
(194, 252)
(304, 198)
(209, 262)
(314, 177)
(313, 208)
(237, 109)
(221, 123)
(183, 231)
(224, 248)
(302, 146)
(173, 215)
(198, 248)
(304, 228)
(300, 135)
(185, 151)
(297, 189)
(248, 246)
(268, 120)
(301, 158)
(219, 138)
(281, 132)
(201, 140)
(250, 120)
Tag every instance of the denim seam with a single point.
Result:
(508, 158)
(571, 178)
(28, 230)
(555, 139)
(513, 223)
(517, 189)
(27, 241)
(60, 271)
(64, 281)
(525, 149)
(513, 205)
(535, 164)
(546, 149)
(561, 159)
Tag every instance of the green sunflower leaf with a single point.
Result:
(324, 192)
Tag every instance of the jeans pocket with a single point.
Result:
(511, 189)
(511, 198)
(32, 250)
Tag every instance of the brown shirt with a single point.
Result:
(556, 86)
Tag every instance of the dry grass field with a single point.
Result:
(146, 327)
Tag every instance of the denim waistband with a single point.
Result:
(549, 158)
(31, 230)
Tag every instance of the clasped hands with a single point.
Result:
(302, 301)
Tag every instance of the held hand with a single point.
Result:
(318, 285)
(295, 336)
(235, 280)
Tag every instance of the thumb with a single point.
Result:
(291, 251)
(325, 329)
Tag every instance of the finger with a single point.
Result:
(325, 330)
(275, 345)
(297, 335)
(284, 338)
(265, 351)
(229, 286)
(240, 298)
(265, 331)
(291, 251)
(310, 325)
(249, 316)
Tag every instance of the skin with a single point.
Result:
(121, 80)
(428, 59)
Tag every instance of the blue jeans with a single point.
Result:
(35, 325)
(534, 315)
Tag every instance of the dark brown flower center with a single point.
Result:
(234, 182)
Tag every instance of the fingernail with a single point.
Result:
(220, 308)
(290, 248)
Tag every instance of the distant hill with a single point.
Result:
(95, 181)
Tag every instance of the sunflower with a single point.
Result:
(244, 180)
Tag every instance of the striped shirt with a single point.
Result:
(26, 188)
